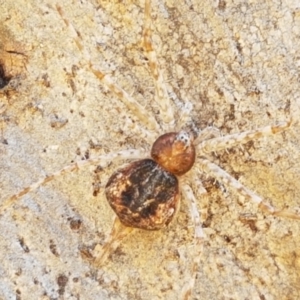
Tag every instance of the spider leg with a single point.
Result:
(125, 154)
(134, 128)
(218, 173)
(200, 191)
(185, 116)
(189, 195)
(118, 233)
(199, 237)
(207, 133)
(162, 97)
(139, 111)
(219, 143)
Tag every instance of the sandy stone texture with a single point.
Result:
(236, 61)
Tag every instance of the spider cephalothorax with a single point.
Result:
(175, 152)
(145, 193)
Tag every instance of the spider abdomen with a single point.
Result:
(143, 195)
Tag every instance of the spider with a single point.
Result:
(185, 137)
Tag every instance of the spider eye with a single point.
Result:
(143, 195)
(174, 152)
(184, 138)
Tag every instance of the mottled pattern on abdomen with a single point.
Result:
(143, 195)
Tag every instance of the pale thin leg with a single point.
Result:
(126, 154)
(118, 233)
(132, 127)
(139, 111)
(189, 196)
(207, 133)
(200, 191)
(185, 116)
(198, 240)
(222, 176)
(163, 99)
(229, 141)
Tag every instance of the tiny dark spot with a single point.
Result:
(254, 92)
(96, 188)
(86, 253)
(34, 107)
(72, 85)
(97, 184)
(23, 245)
(74, 70)
(53, 248)
(95, 146)
(262, 281)
(250, 221)
(277, 158)
(237, 175)
(75, 224)
(18, 294)
(239, 47)
(222, 5)
(46, 81)
(227, 239)
(262, 297)
(117, 254)
(62, 282)
(231, 115)
(81, 114)
(19, 272)
(58, 122)
(220, 92)
(98, 169)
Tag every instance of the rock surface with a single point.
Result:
(237, 62)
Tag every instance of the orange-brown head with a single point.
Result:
(175, 152)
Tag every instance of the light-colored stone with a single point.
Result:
(237, 62)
